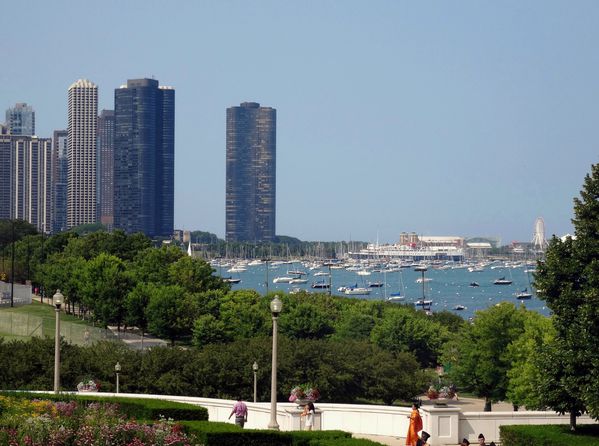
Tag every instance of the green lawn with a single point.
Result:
(27, 321)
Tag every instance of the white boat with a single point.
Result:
(459, 307)
(321, 273)
(357, 291)
(425, 280)
(502, 281)
(298, 280)
(282, 279)
(524, 294)
(363, 272)
(395, 299)
(237, 269)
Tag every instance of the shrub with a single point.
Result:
(549, 435)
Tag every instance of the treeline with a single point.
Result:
(345, 371)
(209, 245)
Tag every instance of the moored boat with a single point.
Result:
(502, 281)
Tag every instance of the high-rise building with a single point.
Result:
(144, 158)
(251, 173)
(106, 167)
(25, 180)
(20, 120)
(82, 128)
(60, 168)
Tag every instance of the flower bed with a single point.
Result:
(43, 422)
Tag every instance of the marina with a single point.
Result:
(458, 287)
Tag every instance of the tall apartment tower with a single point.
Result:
(60, 169)
(82, 128)
(251, 173)
(106, 167)
(144, 158)
(25, 180)
(20, 120)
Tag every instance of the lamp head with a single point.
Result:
(255, 366)
(276, 306)
(117, 367)
(58, 299)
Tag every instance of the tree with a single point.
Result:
(481, 362)
(104, 288)
(568, 280)
(403, 329)
(195, 275)
(168, 316)
(525, 375)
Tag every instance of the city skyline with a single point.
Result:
(464, 119)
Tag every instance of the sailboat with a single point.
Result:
(524, 294)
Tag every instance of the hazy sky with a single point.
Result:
(467, 118)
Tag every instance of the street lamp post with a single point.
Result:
(255, 369)
(117, 369)
(57, 299)
(275, 308)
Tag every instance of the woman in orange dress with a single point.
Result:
(415, 426)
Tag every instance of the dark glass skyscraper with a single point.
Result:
(251, 173)
(105, 169)
(60, 168)
(144, 158)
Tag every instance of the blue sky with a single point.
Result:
(466, 118)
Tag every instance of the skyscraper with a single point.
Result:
(25, 179)
(251, 173)
(106, 167)
(83, 119)
(60, 169)
(144, 158)
(20, 120)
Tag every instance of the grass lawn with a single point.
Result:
(26, 321)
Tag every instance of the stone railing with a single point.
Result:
(447, 425)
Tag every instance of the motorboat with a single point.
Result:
(231, 279)
(357, 291)
(524, 294)
(474, 284)
(502, 281)
(363, 272)
(320, 285)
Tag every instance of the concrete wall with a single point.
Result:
(447, 425)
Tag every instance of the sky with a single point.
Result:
(462, 118)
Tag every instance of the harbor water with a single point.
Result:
(448, 287)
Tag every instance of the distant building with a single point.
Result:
(144, 158)
(20, 120)
(60, 168)
(25, 180)
(106, 167)
(82, 128)
(251, 173)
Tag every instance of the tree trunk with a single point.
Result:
(487, 405)
(573, 421)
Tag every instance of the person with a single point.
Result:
(309, 412)
(241, 413)
(422, 441)
(415, 426)
(481, 441)
(465, 442)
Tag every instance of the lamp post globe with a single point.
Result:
(117, 369)
(255, 369)
(57, 299)
(276, 306)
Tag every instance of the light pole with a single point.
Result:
(275, 308)
(255, 369)
(57, 300)
(117, 369)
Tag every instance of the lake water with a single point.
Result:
(446, 288)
